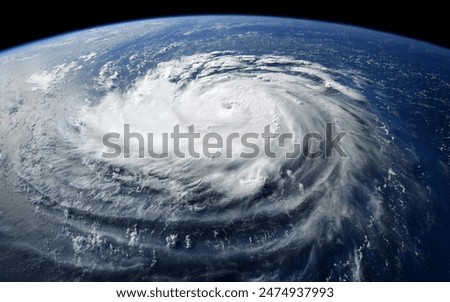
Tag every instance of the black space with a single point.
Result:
(427, 21)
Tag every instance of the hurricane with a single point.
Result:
(356, 216)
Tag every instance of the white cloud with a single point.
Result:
(44, 80)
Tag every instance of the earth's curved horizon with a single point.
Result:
(375, 208)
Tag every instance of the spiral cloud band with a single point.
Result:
(215, 214)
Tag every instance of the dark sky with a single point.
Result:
(427, 21)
